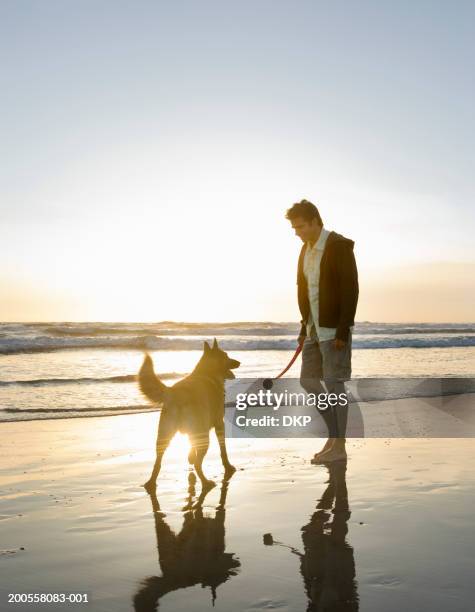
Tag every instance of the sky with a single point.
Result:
(150, 149)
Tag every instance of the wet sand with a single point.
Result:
(392, 529)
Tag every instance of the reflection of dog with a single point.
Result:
(193, 406)
(195, 555)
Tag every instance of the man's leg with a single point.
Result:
(311, 375)
(336, 370)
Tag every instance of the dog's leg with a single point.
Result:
(161, 448)
(228, 468)
(191, 461)
(201, 446)
(166, 431)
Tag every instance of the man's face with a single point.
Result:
(306, 230)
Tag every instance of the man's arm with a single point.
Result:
(302, 297)
(348, 288)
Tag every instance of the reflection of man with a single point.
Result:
(327, 281)
(328, 565)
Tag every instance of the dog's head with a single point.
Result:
(219, 361)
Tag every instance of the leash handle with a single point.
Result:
(292, 361)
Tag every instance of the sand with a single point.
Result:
(392, 529)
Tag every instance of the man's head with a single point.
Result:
(305, 220)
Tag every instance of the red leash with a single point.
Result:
(292, 361)
(267, 382)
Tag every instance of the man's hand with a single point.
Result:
(301, 340)
(339, 344)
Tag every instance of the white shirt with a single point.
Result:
(311, 270)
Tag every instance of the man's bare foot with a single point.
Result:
(333, 454)
(328, 444)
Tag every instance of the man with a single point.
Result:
(327, 282)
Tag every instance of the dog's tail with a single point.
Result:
(149, 383)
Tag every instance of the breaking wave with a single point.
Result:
(13, 345)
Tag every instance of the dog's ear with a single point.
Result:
(206, 348)
(215, 345)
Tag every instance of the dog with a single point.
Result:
(194, 405)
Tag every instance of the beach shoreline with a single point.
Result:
(76, 519)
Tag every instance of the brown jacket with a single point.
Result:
(338, 288)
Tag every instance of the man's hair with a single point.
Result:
(305, 210)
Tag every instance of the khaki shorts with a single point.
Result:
(322, 361)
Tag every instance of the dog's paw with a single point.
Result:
(229, 470)
(207, 485)
(150, 485)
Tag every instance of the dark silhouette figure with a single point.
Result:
(327, 564)
(194, 556)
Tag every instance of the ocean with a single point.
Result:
(67, 370)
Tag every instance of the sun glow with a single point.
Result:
(179, 448)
